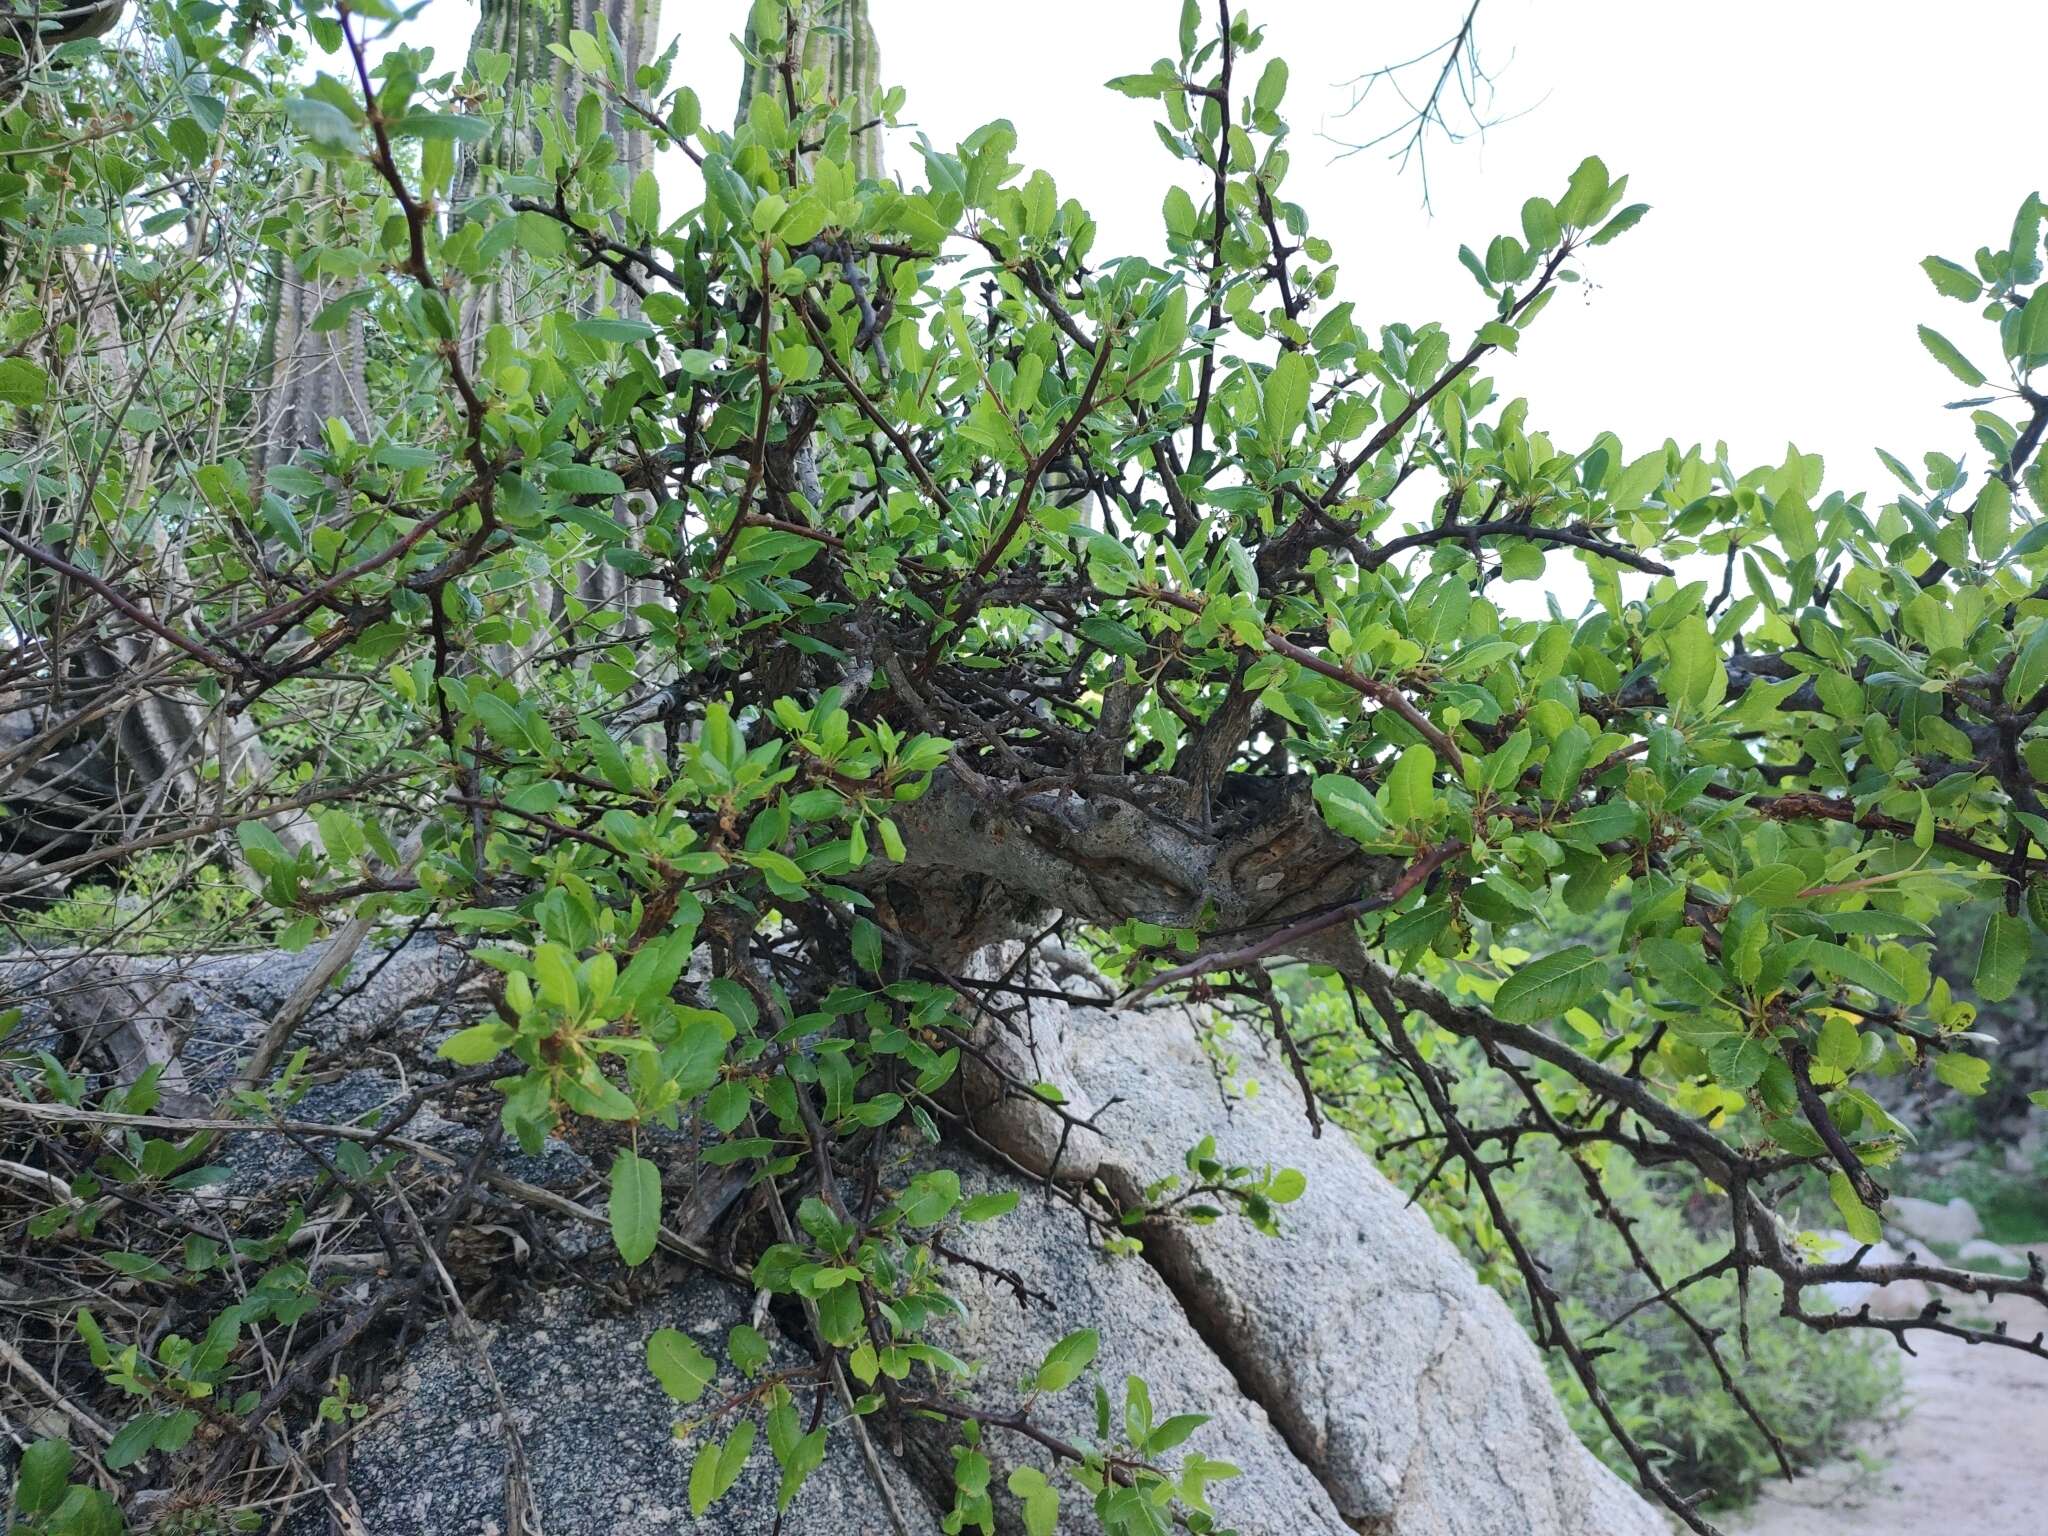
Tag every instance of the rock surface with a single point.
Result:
(1354, 1370)
(1401, 1381)
(1951, 1224)
(1144, 1333)
(594, 1430)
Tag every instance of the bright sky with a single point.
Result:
(1800, 157)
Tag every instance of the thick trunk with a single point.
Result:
(838, 37)
(306, 377)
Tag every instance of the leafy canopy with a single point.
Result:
(959, 578)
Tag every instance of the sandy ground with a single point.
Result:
(1970, 1459)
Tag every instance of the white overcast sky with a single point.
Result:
(1801, 156)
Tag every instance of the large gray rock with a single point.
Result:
(1144, 1333)
(1951, 1224)
(1354, 1369)
(595, 1430)
(1405, 1384)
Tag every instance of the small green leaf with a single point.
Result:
(1620, 224)
(1965, 1074)
(1693, 675)
(1860, 1220)
(22, 382)
(683, 1369)
(1546, 988)
(1041, 1501)
(39, 1486)
(479, 1043)
(749, 1351)
(1950, 280)
(635, 1207)
(1946, 353)
(2008, 943)
(1411, 795)
(718, 1467)
(1991, 520)
(2029, 674)
(1066, 1360)
(1285, 400)
(930, 1198)
(322, 123)
(989, 1207)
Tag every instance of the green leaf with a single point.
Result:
(1859, 1219)
(1772, 885)
(1795, 525)
(1272, 86)
(22, 382)
(1041, 1501)
(1946, 353)
(2003, 955)
(1858, 970)
(989, 1207)
(1147, 87)
(1285, 401)
(683, 1369)
(1991, 520)
(1173, 1432)
(1693, 675)
(1539, 223)
(930, 1198)
(749, 1351)
(323, 124)
(1965, 1074)
(137, 1438)
(635, 1207)
(1547, 987)
(2029, 674)
(1066, 1360)
(1620, 224)
(1737, 1060)
(1411, 794)
(718, 1467)
(39, 1485)
(1950, 280)
(609, 330)
(1586, 192)
(479, 1043)
(447, 127)
(2032, 340)
(585, 480)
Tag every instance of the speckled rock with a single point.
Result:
(1402, 1381)
(594, 1428)
(1144, 1332)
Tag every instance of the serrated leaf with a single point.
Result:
(1285, 400)
(1950, 356)
(1950, 280)
(1547, 987)
(2007, 945)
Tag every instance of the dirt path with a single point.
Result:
(1971, 1458)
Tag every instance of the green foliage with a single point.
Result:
(47, 1503)
(696, 603)
(1813, 1392)
(1663, 1385)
